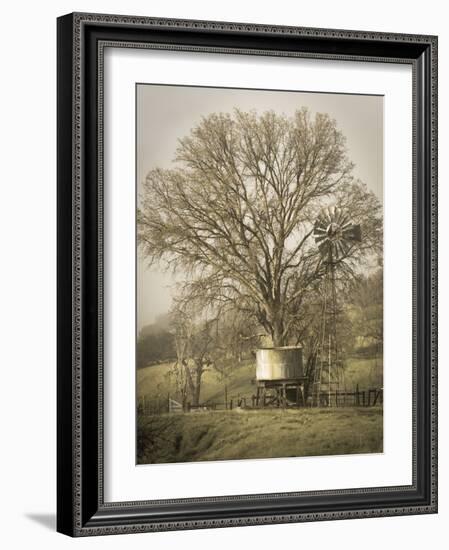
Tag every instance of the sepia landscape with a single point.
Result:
(259, 274)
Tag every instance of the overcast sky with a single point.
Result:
(166, 113)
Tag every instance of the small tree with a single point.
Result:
(237, 212)
(193, 339)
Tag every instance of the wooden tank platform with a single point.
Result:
(283, 393)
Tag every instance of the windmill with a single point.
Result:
(335, 234)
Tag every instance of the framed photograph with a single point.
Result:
(247, 278)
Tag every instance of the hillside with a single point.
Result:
(226, 435)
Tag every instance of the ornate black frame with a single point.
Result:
(81, 509)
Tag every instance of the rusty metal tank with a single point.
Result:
(279, 363)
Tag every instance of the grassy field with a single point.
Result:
(238, 434)
(153, 381)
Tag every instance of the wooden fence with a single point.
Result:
(357, 398)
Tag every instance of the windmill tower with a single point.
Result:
(335, 235)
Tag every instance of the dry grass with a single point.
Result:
(239, 434)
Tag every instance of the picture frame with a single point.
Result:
(81, 506)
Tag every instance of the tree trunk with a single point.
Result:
(272, 319)
(277, 333)
(197, 385)
(189, 380)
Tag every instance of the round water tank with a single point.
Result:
(279, 363)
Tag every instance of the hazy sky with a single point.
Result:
(166, 113)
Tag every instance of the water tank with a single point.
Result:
(279, 363)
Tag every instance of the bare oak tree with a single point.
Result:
(236, 213)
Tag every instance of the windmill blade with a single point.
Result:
(323, 220)
(344, 248)
(319, 235)
(347, 225)
(336, 251)
(319, 230)
(339, 216)
(320, 238)
(320, 224)
(327, 216)
(345, 221)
